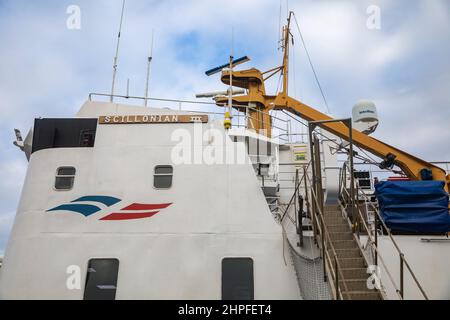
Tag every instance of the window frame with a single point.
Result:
(242, 258)
(162, 175)
(57, 175)
(86, 293)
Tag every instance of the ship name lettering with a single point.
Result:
(196, 119)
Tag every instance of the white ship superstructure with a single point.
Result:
(175, 254)
(130, 202)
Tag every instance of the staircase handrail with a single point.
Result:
(374, 242)
(324, 231)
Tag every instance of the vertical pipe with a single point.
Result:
(247, 118)
(230, 93)
(305, 172)
(376, 239)
(340, 184)
(402, 292)
(311, 127)
(150, 58)
(344, 183)
(358, 218)
(288, 131)
(312, 147)
(318, 166)
(322, 234)
(116, 57)
(296, 192)
(352, 176)
(336, 277)
(309, 213)
(300, 219)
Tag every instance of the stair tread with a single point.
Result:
(341, 232)
(348, 253)
(353, 285)
(362, 292)
(335, 219)
(351, 262)
(334, 215)
(353, 265)
(354, 280)
(339, 244)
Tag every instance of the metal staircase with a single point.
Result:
(349, 256)
(346, 234)
(274, 206)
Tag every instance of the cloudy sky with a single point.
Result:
(48, 70)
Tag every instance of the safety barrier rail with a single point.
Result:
(316, 214)
(329, 261)
(373, 238)
(239, 119)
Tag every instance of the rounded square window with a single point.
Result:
(65, 178)
(163, 177)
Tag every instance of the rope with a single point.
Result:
(311, 64)
(367, 155)
(366, 160)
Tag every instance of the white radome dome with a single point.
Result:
(365, 116)
(365, 111)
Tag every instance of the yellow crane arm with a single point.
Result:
(410, 164)
(253, 81)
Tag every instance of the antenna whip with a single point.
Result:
(117, 54)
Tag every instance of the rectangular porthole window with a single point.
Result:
(163, 177)
(65, 177)
(237, 279)
(101, 279)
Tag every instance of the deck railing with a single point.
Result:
(330, 260)
(358, 221)
(282, 126)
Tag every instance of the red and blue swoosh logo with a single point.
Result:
(90, 205)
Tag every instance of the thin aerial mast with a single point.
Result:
(150, 58)
(287, 34)
(116, 58)
(128, 88)
(230, 90)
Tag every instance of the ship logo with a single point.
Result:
(137, 211)
(79, 205)
(90, 205)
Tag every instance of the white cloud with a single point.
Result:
(47, 70)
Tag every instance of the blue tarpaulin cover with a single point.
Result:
(414, 206)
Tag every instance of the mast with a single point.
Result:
(150, 58)
(230, 92)
(253, 80)
(287, 34)
(116, 58)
